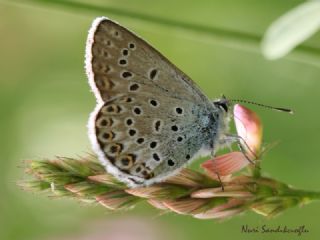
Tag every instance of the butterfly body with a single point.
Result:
(151, 119)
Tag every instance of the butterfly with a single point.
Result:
(151, 119)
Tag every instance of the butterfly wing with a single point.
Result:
(151, 118)
(115, 56)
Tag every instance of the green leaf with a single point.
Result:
(291, 29)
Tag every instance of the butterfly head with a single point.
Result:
(222, 104)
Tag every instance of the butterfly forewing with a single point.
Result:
(150, 114)
(116, 57)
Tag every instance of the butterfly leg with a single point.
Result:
(220, 180)
(241, 143)
(217, 173)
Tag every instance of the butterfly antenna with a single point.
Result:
(287, 110)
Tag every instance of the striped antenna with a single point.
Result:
(287, 110)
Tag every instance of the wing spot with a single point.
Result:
(134, 87)
(125, 52)
(153, 73)
(138, 168)
(157, 125)
(187, 156)
(104, 53)
(106, 136)
(179, 110)
(99, 51)
(137, 110)
(147, 175)
(103, 41)
(104, 83)
(126, 75)
(140, 140)
(100, 66)
(107, 69)
(179, 139)
(156, 157)
(123, 62)
(129, 99)
(171, 162)
(116, 148)
(104, 122)
(132, 46)
(129, 121)
(127, 161)
(174, 128)
(132, 132)
(111, 109)
(153, 103)
(153, 145)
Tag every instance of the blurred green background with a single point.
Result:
(45, 102)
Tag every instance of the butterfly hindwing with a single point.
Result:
(142, 140)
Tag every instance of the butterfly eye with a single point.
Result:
(222, 104)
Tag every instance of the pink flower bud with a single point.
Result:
(225, 164)
(249, 128)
